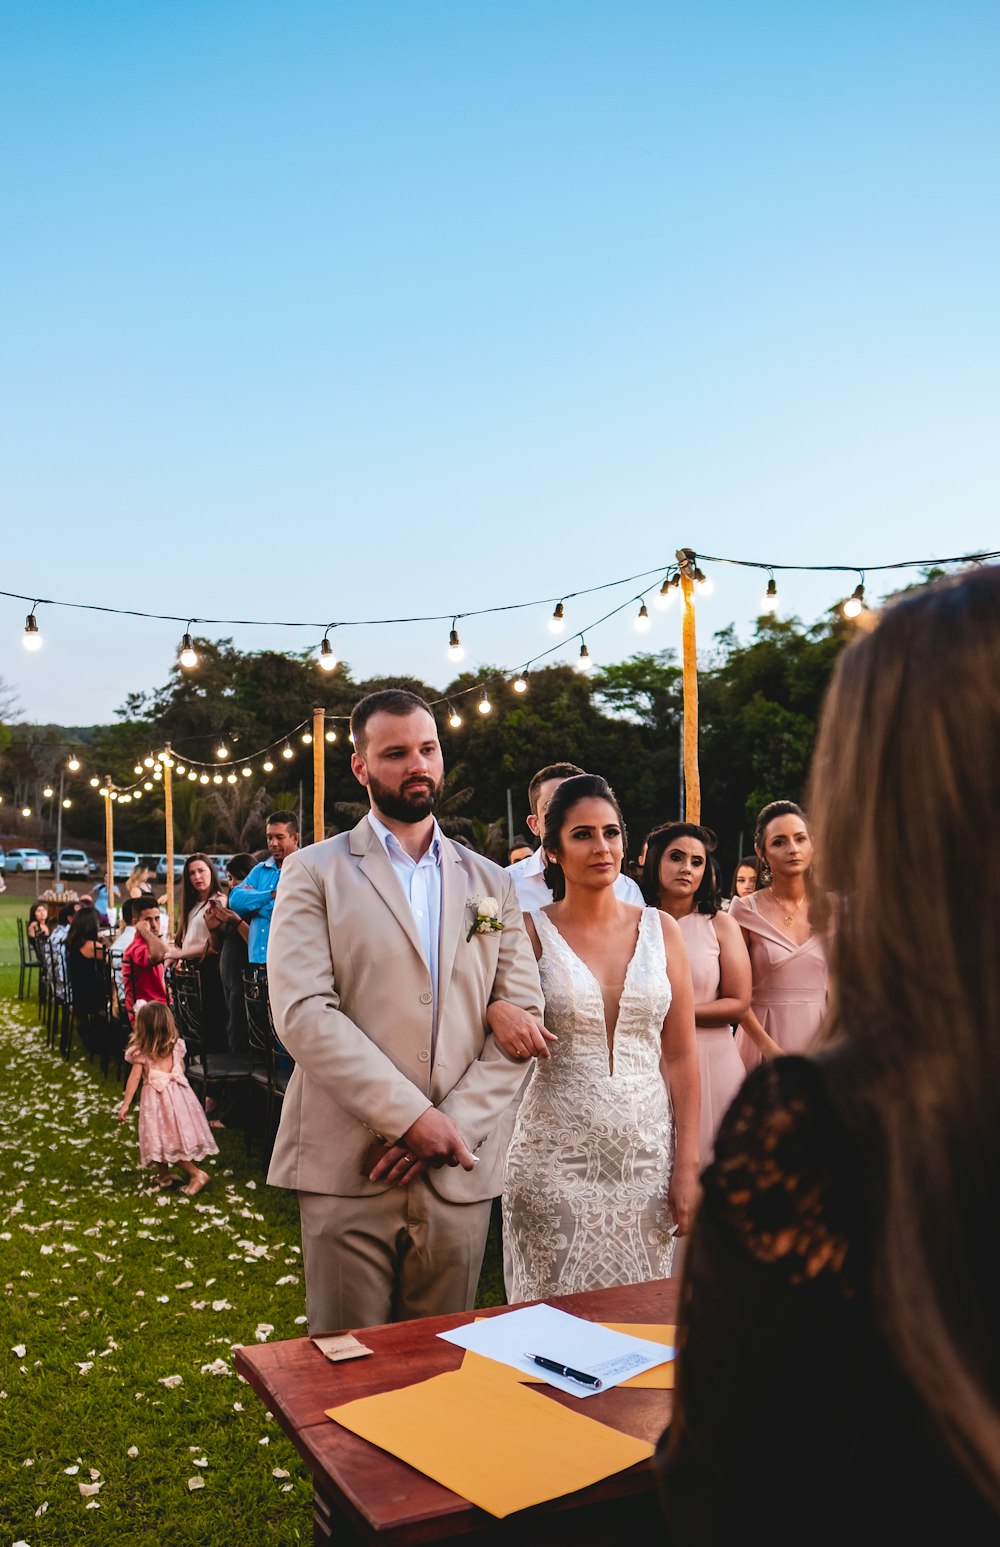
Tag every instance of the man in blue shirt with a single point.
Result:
(253, 899)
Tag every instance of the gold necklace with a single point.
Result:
(788, 919)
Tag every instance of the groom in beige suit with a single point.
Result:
(384, 990)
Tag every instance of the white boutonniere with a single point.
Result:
(485, 916)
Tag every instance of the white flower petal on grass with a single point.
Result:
(200, 1461)
(263, 1331)
(217, 1367)
(289, 1278)
(89, 1489)
(300, 1321)
(221, 1305)
(41, 1509)
(163, 1299)
(88, 1364)
(280, 1471)
(265, 1441)
(94, 1473)
(19, 1350)
(93, 1504)
(170, 1380)
(71, 1471)
(133, 1450)
(237, 1407)
(195, 1482)
(286, 1487)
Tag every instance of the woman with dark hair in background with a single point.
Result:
(838, 1372)
(88, 979)
(597, 1173)
(679, 878)
(745, 878)
(38, 922)
(787, 956)
(195, 942)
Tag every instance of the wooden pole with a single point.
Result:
(319, 773)
(168, 818)
(692, 776)
(109, 840)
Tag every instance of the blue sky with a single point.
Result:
(356, 310)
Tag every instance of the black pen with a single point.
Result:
(564, 1369)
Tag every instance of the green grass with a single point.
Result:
(112, 1286)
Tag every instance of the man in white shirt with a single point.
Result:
(527, 874)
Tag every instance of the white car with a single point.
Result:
(161, 867)
(123, 862)
(19, 860)
(73, 862)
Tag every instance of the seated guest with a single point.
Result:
(142, 961)
(233, 937)
(85, 959)
(38, 925)
(60, 928)
(253, 899)
(838, 1372)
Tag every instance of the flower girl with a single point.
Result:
(173, 1128)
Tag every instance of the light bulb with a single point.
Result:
(331, 736)
(456, 651)
(189, 655)
(148, 762)
(230, 778)
(67, 803)
(148, 784)
(702, 584)
(770, 602)
(192, 774)
(307, 738)
(854, 606)
(454, 719)
(642, 621)
(48, 792)
(246, 772)
(32, 638)
(112, 794)
(74, 764)
(521, 682)
(167, 761)
(216, 778)
(484, 706)
(667, 592)
(267, 765)
(95, 783)
(584, 662)
(222, 751)
(557, 622)
(180, 770)
(327, 659)
(136, 795)
(203, 778)
(137, 769)
(287, 752)
(157, 773)
(25, 810)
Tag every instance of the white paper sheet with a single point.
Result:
(583, 1345)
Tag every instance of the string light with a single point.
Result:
(188, 656)
(557, 622)
(148, 762)
(327, 660)
(32, 636)
(246, 772)
(702, 584)
(192, 774)
(268, 766)
(287, 752)
(135, 795)
(111, 794)
(67, 803)
(484, 706)
(157, 773)
(137, 769)
(307, 738)
(456, 651)
(74, 764)
(643, 620)
(148, 784)
(48, 792)
(520, 683)
(222, 751)
(668, 590)
(95, 783)
(180, 770)
(331, 735)
(855, 604)
(454, 718)
(216, 778)
(584, 663)
(770, 602)
(230, 778)
(203, 778)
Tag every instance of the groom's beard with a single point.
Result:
(412, 803)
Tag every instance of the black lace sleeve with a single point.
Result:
(767, 1304)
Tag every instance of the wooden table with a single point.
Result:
(362, 1494)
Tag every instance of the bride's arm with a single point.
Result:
(680, 1066)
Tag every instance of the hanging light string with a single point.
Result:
(481, 612)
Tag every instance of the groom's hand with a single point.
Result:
(517, 1032)
(433, 1140)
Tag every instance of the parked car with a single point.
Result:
(161, 867)
(18, 860)
(74, 862)
(220, 861)
(123, 863)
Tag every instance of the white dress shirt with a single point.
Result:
(532, 893)
(421, 883)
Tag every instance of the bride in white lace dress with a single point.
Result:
(599, 1172)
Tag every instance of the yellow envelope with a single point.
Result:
(495, 1443)
(661, 1378)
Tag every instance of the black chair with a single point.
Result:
(29, 960)
(210, 1071)
(271, 1065)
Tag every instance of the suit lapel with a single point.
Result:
(375, 866)
(455, 915)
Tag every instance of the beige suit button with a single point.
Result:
(423, 1055)
(426, 997)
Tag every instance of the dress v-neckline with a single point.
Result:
(610, 1038)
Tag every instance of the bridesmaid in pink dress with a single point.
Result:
(788, 960)
(678, 878)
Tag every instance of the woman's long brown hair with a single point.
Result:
(189, 897)
(904, 797)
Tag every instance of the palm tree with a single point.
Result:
(238, 811)
(452, 800)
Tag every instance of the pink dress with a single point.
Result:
(172, 1121)
(719, 1063)
(789, 982)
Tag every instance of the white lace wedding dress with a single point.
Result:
(585, 1185)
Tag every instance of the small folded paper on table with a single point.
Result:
(500, 1446)
(659, 1379)
(339, 1346)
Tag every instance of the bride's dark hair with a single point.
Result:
(568, 795)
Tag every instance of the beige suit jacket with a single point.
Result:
(351, 997)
